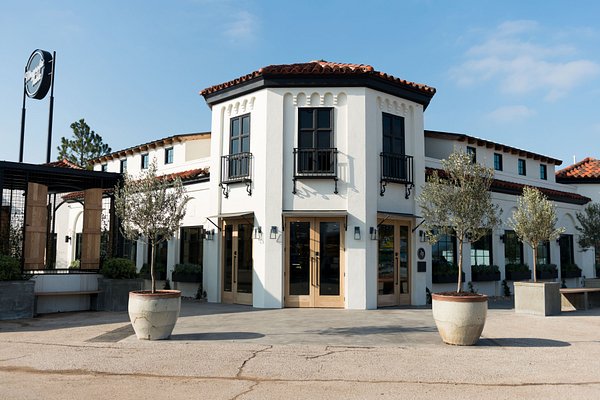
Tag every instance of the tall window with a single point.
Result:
(567, 253)
(144, 161)
(393, 162)
(543, 172)
(169, 155)
(513, 248)
(472, 151)
(444, 250)
(123, 167)
(104, 167)
(543, 253)
(521, 167)
(315, 140)
(481, 251)
(191, 245)
(498, 162)
(239, 147)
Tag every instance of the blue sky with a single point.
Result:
(523, 73)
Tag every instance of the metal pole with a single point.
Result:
(51, 111)
(22, 122)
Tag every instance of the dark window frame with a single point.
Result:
(123, 166)
(144, 161)
(169, 155)
(545, 247)
(391, 135)
(566, 244)
(479, 253)
(104, 167)
(498, 162)
(240, 136)
(522, 167)
(507, 244)
(315, 127)
(184, 253)
(447, 241)
(472, 151)
(544, 172)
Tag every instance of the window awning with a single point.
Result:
(317, 214)
(248, 216)
(384, 215)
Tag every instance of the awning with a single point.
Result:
(395, 215)
(317, 214)
(248, 216)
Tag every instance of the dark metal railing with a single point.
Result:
(396, 168)
(318, 163)
(236, 168)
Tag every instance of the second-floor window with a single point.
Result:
(239, 147)
(393, 160)
(543, 172)
(315, 140)
(498, 162)
(104, 167)
(144, 161)
(473, 153)
(169, 155)
(123, 168)
(481, 251)
(521, 167)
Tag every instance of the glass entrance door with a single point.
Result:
(237, 262)
(393, 280)
(314, 262)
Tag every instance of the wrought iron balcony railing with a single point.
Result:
(315, 163)
(396, 168)
(236, 168)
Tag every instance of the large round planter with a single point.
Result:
(459, 319)
(153, 315)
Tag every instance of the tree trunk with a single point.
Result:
(152, 249)
(460, 261)
(534, 261)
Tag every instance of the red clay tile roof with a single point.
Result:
(64, 163)
(318, 67)
(586, 169)
(183, 175)
(514, 188)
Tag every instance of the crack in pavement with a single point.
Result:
(329, 350)
(82, 372)
(252, 356)
(251, 388)
(100, 346)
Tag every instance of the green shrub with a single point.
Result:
(75, 264)
(570, 267)
(444, 268)
(485, 269)
(188, 269)
(10, 269)
(546, 268)
(517, 268)
(157, 268)
(118, 268)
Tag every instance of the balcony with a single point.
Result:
(396, 168)
(313, 163)
(236, 168)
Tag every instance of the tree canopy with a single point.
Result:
(589, 230)
(458, 202)
(85, 145)
(534, 221)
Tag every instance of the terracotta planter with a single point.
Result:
(153, 315)
(459, 319)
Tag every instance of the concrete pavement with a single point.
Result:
(237, 352)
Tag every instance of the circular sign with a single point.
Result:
(38, 74)
(421, 253)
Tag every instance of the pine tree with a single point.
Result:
(85, 145)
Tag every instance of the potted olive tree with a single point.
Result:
(151, 209)
(534, 222)
(457, 201)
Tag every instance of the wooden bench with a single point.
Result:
(92, 293)
(579, 298)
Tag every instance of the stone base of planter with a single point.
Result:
(115, 293)
(16, 299)
(537, 298)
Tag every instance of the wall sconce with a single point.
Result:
(67, 239)
(357, 233)
(422, 237)
(273, 233)
(558, 240)
(257, 233)
(502, 238)
(209, 235)
(373, 233)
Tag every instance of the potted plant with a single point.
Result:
(16, 290)
(570, 270)
(457, 201)
(534, 222)
(151, 209)
(485, 273)
(518, 272)
(119, 277)
(191, 273)
(546, 271)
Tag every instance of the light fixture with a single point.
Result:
(209, 235)
(373, 233)
(503, 237)
(422, 237)
(357, 233)
(67, 239)
(273, 233)
(257, 233)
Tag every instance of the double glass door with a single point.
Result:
(314, 262)
(393, 281)
(237, 262)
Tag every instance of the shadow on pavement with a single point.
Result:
(218, 336)
(521, 342)
(373, 330)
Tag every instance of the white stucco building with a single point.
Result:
(304, 192)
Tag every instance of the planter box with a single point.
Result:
(592, 283)
(160, 276)
(447, 278)
(570, 274)
(539, 298)
(485, 276)
(16, 299)
(518, 275)
(546, 274)
(187, 277)
(115, 293)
